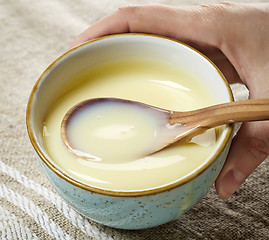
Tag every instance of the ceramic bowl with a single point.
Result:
(127, 210)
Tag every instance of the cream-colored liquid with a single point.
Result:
(117, 167)
(113, 131)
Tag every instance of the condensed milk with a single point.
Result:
(112, 160)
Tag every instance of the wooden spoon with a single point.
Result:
(173, 126)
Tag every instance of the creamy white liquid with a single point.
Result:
(148, 81)
(112, 131)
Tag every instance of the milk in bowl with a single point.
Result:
(114, 165)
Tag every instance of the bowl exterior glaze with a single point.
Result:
(137, 212)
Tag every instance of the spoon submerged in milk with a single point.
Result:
(122, 128)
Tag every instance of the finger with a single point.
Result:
(185, 23)
(250, 147)
(112, 24)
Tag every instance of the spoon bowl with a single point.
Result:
(166, 126)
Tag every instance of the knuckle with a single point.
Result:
(228, 4)
(128, 10)
(209, 15)
(218, 12)
(218, 19)
(258, 148)
(130, 14)
(220, 7)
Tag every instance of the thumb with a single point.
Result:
(249, 148)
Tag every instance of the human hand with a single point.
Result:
(235, 37)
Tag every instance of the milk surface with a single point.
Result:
(113, 165)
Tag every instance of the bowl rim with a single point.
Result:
(121, 193)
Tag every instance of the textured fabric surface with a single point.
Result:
(32, 34)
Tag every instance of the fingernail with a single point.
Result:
(230, 183)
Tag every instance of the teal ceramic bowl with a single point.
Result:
(127, 209)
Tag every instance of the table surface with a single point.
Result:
(33, 34)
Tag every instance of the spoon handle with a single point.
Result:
(213, 116)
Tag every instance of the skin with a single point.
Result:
(235, 37)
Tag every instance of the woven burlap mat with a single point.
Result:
(32, 34)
